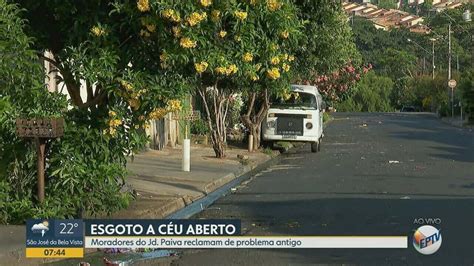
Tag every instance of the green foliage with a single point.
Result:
(231, 46)
(396, 64)
(86, 167)
(387, 4)
(92, 179)
(326, 117)
(199, 127)
(4, 192)
(328, 42)
(426, 94)
(371, 95)
(268, 151)
(466, 87)
(348, 105)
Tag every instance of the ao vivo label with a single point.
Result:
(422, 221)
(427, 239)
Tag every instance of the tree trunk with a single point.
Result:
(255, 130)
(216, 105)
(218, 145)
(253, 119)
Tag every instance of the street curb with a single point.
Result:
(456, 126)
(165, 210)
(209, 188)
(204, 202)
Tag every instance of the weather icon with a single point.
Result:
(40, 228)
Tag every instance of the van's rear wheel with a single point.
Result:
(315, 147)
(319, 144)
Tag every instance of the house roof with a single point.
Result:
(383, 18)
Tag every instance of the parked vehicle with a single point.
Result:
(408, 109)
(298, 118)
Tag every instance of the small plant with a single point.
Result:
(268, 151)
(326, 117)
(199, 127)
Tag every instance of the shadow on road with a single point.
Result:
(451, 143)
(358, 217)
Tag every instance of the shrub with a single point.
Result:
(427, 94)
(199, 127)
(372, 94)
(85, 168)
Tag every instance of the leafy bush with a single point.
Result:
(348, 105)
(372, 94)
(199, 127)
(466, 86)
(85, 169)
(4, 191)
(427, 94)
(326, 117)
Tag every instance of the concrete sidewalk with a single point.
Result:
(457, 122)
(161, 186)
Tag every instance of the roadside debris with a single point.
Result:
(406, 197)
(108, 262)
(293, 224)
(159, 254)
(242, 157)
(117, 250)
(393, 162)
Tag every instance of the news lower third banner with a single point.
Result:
(68, 238)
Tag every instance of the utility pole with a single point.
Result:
(449, 69)
(433, 58)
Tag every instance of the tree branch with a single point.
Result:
(49, 60)
(90, 93)
(94, 101)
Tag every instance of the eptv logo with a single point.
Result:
(427, 239)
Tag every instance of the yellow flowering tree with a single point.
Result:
(223, 48)
(271, 51)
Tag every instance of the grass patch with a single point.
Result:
(326, 117)
(284, 144)
(268, 151)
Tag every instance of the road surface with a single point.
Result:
(375, 175)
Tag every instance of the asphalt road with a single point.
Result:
(351, 188)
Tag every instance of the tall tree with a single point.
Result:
(222, 47)
(103, 52)
(328, 43)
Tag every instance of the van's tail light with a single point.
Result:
(271, 115)
(309, 116)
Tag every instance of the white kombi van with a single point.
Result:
(297, 118)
